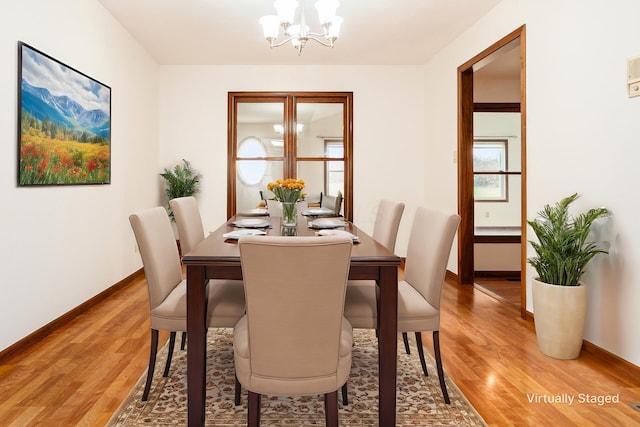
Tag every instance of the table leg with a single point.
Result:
(196, 345)
(388, 344)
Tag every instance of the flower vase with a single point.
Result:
(289, 214)
(289, 231)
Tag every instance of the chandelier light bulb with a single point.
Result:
(270, 26)
(286, 10)
(326, 10)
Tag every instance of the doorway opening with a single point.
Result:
(491, 170)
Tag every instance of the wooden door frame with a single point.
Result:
(290, 99)
(465, 162)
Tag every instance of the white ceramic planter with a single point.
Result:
(560, 313)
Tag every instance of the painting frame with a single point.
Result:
(64, 123)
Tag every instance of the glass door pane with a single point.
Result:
(320, 147)
(303, 135)
(259, 151)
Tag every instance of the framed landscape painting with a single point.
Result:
(64, 123)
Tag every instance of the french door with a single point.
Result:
(279, 135)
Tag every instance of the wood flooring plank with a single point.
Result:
(499, 368)
(78, 374)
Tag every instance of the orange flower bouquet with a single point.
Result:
(287, 192)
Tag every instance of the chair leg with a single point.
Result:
(172, 343)
(405, 338)
(436, 350)
(421, 353)
(331, 409)
(253, 415)
(152, 364)
(183, 341)
(345, 398)
(238, 392)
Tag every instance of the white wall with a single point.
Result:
(388, 135)
(63, 245)
(581, 136)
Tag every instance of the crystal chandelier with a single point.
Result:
(298, 34)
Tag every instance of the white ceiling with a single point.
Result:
(227, 32)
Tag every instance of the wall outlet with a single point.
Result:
(487, 214)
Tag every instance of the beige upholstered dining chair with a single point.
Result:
(226, 297)
(188, 222)
(385, 231)
(432, 235)
(167, 290)
(294, 339)
(332, 202)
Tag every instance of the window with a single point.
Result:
(334, 169)
(252, 170)
(305, 135)
(489, 167)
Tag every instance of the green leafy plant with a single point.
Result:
(562, 250)
(182, 181)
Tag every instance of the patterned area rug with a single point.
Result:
(419, 398)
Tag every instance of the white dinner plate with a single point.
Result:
(318, 212)
(252, 223)
(236, 234)
(326, 223)
(338, 232)
(254, 212)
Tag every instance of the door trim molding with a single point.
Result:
(465, 159)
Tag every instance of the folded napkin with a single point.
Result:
(338, 233)
(326, 223)
(236, 234)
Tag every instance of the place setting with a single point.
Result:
(331, 227)
(252, 223)
(248, 227)
(315, 212)
(336, 232)
(326, 223)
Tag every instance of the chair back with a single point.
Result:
(188, 221)
(295, 290)
(332, 202)
(159, 252)
(432, 235)
(385, 229)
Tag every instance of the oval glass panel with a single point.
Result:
(251, 172)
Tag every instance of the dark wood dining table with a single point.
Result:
(219, 258)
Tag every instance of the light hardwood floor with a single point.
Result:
(80, 373)
(500, 288)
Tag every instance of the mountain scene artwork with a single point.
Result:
(65, 124)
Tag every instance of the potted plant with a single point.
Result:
(181, 181)
(559, 297)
